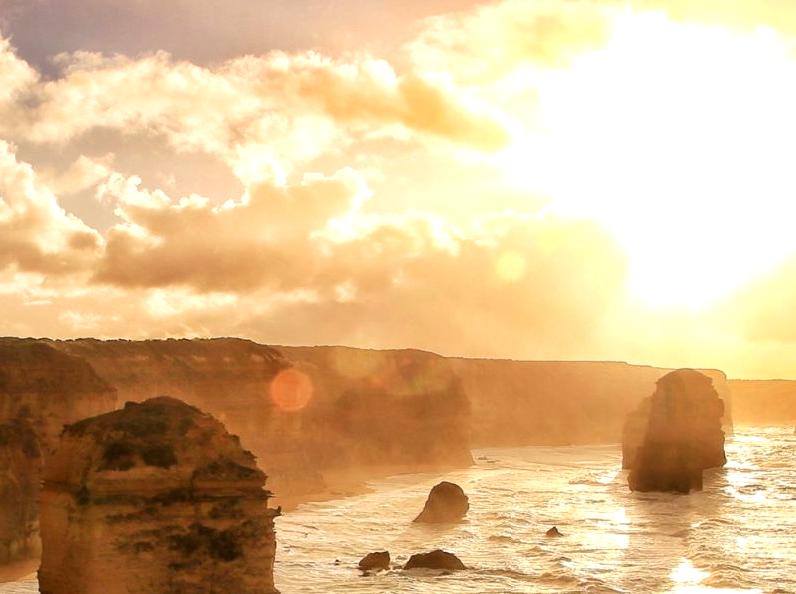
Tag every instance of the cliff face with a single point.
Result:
(156, 498)
(567, 402)
(382, 408)
(764, 402)
(229, 378)
(305, 412)
(41, 389)
(49, 388)
(675, 434)
(20, 467)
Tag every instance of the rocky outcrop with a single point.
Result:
(309, 414)
(675, 434)
(517, 403)
(375, 561)
(387, 408)
(446, 503)
(553, 532)
(437, 559)
(41, 390)
(48, 387)
(156, 498)
(20, 468)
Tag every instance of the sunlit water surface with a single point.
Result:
(738, 535)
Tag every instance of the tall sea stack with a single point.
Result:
(157, 498)
(675, 434)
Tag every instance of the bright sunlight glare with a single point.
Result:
(677, 138)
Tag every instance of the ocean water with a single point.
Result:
(738, 535)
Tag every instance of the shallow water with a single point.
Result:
(738, 535)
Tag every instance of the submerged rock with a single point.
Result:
(436, 559)
(375, 561)
(156, 498)
(675, 434)
(446, 503)
(553, 532)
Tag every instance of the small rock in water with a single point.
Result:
(446, 503)
(375, 561)
(437, 559)
(553, 532)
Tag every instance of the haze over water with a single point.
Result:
(735, 536)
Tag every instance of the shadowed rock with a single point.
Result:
(20, 473)
(553, 532)
(680, 434)
(375, 561)
(156, 498)
(436, 559)
(446, 503)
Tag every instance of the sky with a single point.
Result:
(526, 179)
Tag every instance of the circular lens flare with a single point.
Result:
(291, 390)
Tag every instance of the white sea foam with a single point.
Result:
(735, 536)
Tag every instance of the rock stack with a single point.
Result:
(675, 434)
(446, 503)
(156, 498)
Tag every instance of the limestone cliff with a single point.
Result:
(157, 498)
(764, 402)
(382, 408)
(557, 402)
(20, 466)
(675, 434)
(307, 413)
(41, 389)
(227, 377)
(48, 387)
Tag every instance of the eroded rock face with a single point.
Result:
(446, 503)
(41, 389)
(375, 561)
(49, 388)
(675, 434)
(517, 403)
(340, 410)
(20, 473)
(437, 559)
(157, 498)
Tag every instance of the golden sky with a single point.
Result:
(546, 179)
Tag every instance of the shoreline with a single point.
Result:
(341, 484)
(18, 570)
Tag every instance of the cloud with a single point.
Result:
(265, 239)
(738, 14)
(306, 262)
(558, 109)
(36, 234)
(278, 108)
(84, 173)
(16, 76)
(494, 40)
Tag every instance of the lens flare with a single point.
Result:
(291, 390)
(510, 267)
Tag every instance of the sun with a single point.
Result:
(676, 138)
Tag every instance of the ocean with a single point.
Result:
(738, 535)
